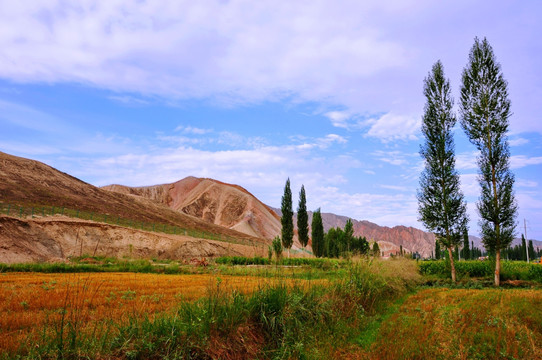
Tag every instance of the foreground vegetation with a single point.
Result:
(511, 270)
(240, 308)
(278, 318)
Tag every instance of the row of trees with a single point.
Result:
(335, 243)
(484, 114)
(519, 252)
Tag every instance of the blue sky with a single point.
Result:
(252, 92)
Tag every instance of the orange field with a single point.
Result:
(30, 302)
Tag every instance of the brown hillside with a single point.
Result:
(58, 238)
(222, 204)
(29, 182)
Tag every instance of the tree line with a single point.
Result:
(337, 242)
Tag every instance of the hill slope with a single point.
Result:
(32, 183)
(226, 205)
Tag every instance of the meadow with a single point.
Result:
(238, 308)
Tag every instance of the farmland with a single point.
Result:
(320, 309)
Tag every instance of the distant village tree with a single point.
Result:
(277, 247)
(317, 234)
(441, 204)
(348, 235)
(532, 253)
(302, 219)
(287, 220)
(485, 110)
(466, 247)
(376, 249)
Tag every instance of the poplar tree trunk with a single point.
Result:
(498, 268)
(452, 263)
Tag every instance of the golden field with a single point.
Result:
(32, 302)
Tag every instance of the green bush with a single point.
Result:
(510, 270)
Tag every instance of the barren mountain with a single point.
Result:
(226, 205)
(31, 183)
(57, 238)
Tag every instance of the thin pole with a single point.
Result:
(526, 240)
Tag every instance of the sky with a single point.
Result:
(326, 93)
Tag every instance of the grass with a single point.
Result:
(464, 324)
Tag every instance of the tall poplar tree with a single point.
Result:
(466, 247)
(485, 110)
(441, 204)
(287, 220)
(317, 234)
(302, 219)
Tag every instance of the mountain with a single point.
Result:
(226, 205)
(30, 183)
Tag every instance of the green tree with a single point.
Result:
(317, 234)
(485, 110)
(287, 220)
(532, 253)
(441, 204)
(466, 247)
(302, 219)
(277, 247)
(523, 248)
(348, 235)
(437, 249)
(376, 249)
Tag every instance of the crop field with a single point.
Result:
(32, 302)
(361, 309)
(464, 324)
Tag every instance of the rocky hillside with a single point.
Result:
(226, 205)
(31, 183)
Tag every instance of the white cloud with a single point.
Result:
(467, 160)
(518, 142)
(519, 161)
(192, 130)
(526, 183)
(390, 127)
(339, 118)
(393, 157)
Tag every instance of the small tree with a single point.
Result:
(302, 219)
(532, 253)
(466, 247)
(348, 234)
(437, 249)
(441, 207)
(287, 218)
(317, 234)
(277, 247)
(376, 249)
(485, 110)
